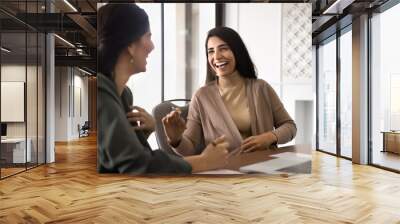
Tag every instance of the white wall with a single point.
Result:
(260, 26)
(278, 37)
(33, 126)
(16, 73)
(71, 93)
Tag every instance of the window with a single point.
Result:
(385, 87)
(346, 94)
(327, 96)
(184, 59)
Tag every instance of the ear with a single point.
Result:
(132, 49)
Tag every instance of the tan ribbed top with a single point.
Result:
(233, 94)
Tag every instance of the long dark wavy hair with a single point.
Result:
(244, 64)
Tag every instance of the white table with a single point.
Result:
(17, 145)
(283, 160)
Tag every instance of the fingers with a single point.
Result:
(136, 115)
(219, 140)
(224, 145)
(251, 146)
(247, 140)
(173, 118)
(135, 119)
(251, 149)
(142, 127)
(138, 108)
(246, 145)
(177, 109)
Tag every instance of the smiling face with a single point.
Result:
(220, 57)
(140, 51)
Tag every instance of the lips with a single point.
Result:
(220, 64)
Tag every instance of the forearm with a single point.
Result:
(286, 132)
(185, 147)
(197, 162)
(270, 137)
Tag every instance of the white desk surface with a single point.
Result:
(13, 140)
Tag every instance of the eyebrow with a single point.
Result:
(221, 45)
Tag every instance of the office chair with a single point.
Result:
(84, 130)
(160, 111)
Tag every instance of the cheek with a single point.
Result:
(209, 61)
(233, 60)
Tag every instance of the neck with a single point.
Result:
(121, 76)
(231, 80)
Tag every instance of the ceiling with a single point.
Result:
(76, 23)
(332, 15)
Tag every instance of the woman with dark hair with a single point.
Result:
(124, 42)
(233, 103)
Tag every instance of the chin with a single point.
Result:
(222, 74)
(143, 69)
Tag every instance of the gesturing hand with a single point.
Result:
(146, 121)
(174, 126)
(215, 155)
(258, 142)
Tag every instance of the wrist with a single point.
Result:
(271, 138)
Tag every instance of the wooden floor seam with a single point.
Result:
(71, 191)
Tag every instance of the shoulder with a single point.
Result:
(107, 93)
(204, 91)
(260, 84)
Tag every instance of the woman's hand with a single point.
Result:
(147, 122)
(215, 155)
(174, 126)
(258, 142)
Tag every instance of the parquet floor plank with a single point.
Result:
(71, 191)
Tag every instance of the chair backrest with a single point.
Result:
(86, 125)
(160, 111)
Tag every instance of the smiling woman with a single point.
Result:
(233, 103)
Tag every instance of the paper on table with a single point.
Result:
(282, 161)
(221, 171)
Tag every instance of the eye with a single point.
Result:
(224, 48)
(210, 52)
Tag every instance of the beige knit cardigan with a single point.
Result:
(208, 117)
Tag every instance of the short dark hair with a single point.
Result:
(244, 64)
(118, 26)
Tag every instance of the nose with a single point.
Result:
(217, 54)
(151, 46)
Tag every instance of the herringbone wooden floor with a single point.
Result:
(70, 191)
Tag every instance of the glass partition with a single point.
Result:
(14, 152)
(346, 94)
(385, 88)
(327, 97)
(22, 89)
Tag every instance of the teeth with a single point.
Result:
(218, 65)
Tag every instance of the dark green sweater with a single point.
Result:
(121, 149)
